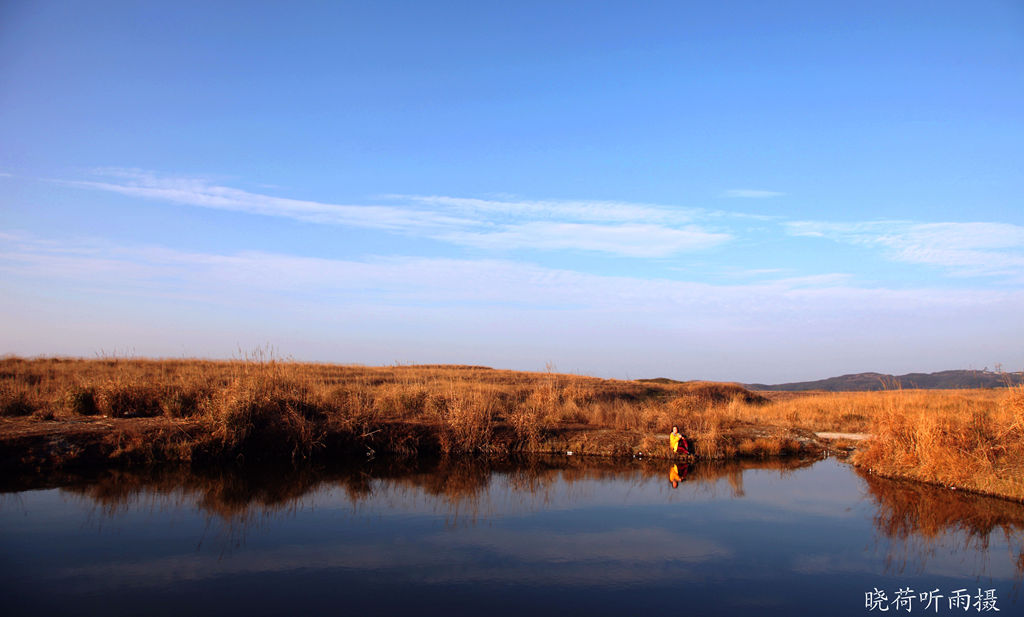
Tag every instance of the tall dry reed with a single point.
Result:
(964, 443)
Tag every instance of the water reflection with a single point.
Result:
(595, 535)
(913, 517)
(918, 519)
(236, 495)
(905, 511)
(675, 476)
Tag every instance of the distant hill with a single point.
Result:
(943, 380)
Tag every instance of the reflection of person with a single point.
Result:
(677, 441)
(673, 476)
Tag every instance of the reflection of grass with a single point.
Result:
(917, 515)
(242, 495)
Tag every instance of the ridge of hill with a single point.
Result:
(942, 380)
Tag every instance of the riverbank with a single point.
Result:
(959, 444)
(57, 413)
(66, 412)
(99, 441)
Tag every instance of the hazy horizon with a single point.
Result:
(266, 353)
(738, 191)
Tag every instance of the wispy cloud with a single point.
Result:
(624, 229)
(76, 296)
(619, 228)
(411, 281)
(625, 556)
(203, 193)
(965, 249)
(594, 211)
(631, 240)
(751, 193)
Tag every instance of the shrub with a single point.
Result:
(130, 400)
(264, 420)
(184, 402)
(16, 404)
(81, 400)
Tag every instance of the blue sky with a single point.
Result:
(737, 190)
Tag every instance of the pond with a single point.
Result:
(542, 537)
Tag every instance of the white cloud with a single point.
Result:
(618, 228)
(975, 249)
(751, 193)
(77, 297)
(631, 240)
(623, 555)
(411, 281)
(197, 192)
(595, 211)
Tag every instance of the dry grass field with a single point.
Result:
(264, 408)
(57, 411)
(967, 441)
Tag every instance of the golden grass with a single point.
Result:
(855, 412)
(961, 443)
(264, 408)
(967, 439)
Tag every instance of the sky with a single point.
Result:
(749, 191)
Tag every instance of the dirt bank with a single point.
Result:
(27, 444)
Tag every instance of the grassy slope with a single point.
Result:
(228, 410)
(198, 411)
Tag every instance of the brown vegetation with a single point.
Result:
(855, 412)
(967, 439)
(59, 411)
(956, 441)
(191, 410)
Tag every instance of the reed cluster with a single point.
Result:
(961, 443)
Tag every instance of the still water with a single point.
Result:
(544, 537)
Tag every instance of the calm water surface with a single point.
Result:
(550, 537)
